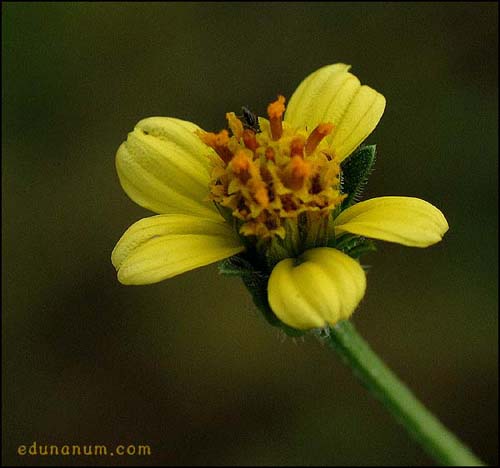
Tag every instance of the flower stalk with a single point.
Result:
(422, 425)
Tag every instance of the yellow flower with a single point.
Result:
(266, 184)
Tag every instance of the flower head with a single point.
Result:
(275, 195)
(269, 177)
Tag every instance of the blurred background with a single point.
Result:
(188, 366)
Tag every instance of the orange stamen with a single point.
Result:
(240, 165)
(260, 193)
(208, 138)
(297, 147)
(222, 138)
(275, 110)
(298, 170)
(235, 124)
(269, 154)
(250, 140)
(320, 132)
(219, 142)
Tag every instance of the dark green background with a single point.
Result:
(187, 365)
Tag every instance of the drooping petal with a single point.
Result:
(333, 95)
(324, 288)
(405, 220)
(163, 166)
(159, 247)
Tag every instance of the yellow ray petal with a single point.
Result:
(318, 89)
(324, 288)
(332, 94)
(405, 220)
(360, 119)
(159, 247)
(163, 166)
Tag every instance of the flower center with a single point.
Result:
(268, 173)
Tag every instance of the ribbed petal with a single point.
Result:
(332, 94)
(405, 220)
(324, 288)
(159, 247)
(163, 166)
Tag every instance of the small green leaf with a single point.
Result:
(355, 172)
(354, 245)
(257, 285)
(364, 247)
(256, 282)
(343, 242)
(235, 266)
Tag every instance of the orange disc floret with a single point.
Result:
(240, 165)
(259, 192)
(222, 138)
(269, 154)
(297, 172)
(249, 139)
(320, 132)
(275, 110)
(219, 142)
(235, 124)
(208, 138)
(297, 147)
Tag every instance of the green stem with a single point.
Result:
(398, 399)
